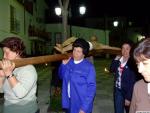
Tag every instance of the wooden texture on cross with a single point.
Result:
(40, 59)
(57, 57)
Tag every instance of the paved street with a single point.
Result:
(104, 94)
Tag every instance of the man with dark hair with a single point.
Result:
(79, 84)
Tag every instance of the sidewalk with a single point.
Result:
(104, 94)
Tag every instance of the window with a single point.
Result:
(14, 23)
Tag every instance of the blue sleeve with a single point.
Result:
(114, 66)
(62, 70)
(91, 84)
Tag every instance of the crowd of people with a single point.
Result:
(77, 76)
(125, 72)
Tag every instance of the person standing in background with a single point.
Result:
(141, 94)
(79, 80)
(124, 79)
(19, 84)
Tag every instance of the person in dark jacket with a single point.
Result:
(79, 82)
(125, 78)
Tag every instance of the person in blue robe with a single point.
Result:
(79, 80)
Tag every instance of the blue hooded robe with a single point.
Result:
(82, 86)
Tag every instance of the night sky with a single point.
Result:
(137, 11)
(97, 8)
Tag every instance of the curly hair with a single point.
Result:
(15, 44)
(80, 42)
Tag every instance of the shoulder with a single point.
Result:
(87, 62)
(139, 83)
(26, 72)
(87, 65)
(28, 69)
(115, 61)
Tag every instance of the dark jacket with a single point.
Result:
(128, 77)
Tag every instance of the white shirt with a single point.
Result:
(76, 62)
(122, 64)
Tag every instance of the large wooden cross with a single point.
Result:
(57, 57)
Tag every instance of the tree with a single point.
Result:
(64, 7)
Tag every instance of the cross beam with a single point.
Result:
(57, 57)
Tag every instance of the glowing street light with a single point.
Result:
(82, 10)
(58, 11)
(115, 23)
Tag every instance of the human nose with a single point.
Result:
(140, 67)
(75, 51)
(4, 56)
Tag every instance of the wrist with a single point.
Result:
(117, 57)
(9, 76)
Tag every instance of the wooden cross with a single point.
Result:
(57, 57)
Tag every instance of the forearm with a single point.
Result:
(2, 77)
(1, 83)
(91, 90)
(62, 70)
(26, 81)
(12, 81)
(113, 66)
(21, 90)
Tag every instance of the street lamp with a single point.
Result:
(58, 11)
(115, 23)
(82, 10)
